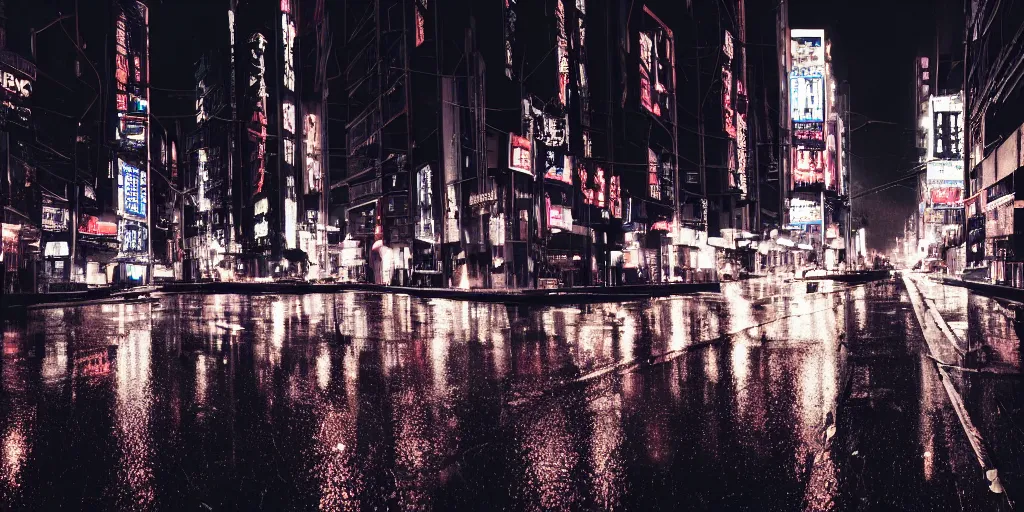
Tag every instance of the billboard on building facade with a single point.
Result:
(807, 52)
(946, 170)
(807, 77)
(559, 217)
(559, 166)
(809, 135)
(132, 190)
(807, 99)
(520, 154)
(946, 194)
(808, 168)
(947, 131)
(803, 212)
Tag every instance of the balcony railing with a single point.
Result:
(370, 188)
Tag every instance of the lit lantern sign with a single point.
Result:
(520, 154)
(132, 189)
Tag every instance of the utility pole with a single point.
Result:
(782, 50)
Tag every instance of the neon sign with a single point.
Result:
(520, 154)
(257, 128)
(288, 36)
(133, 189)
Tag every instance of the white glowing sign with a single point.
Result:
(313, 173)
(56, 250)
(288, 115)
(262, 207)
(802, 212)
(291, 217)
(807, 53)
(261, 229)
(946, 170)
(19, 86)
(289, 151)
(807, 76)
(288, 36)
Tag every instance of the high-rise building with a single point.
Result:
(130, 179)
(257, 157)
(817, 218)
(994, 131)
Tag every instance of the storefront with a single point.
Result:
(20, 256)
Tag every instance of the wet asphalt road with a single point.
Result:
(762, 398)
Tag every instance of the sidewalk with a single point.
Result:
(976, 344)
(104, 294)
(569, 295)
(995, 290)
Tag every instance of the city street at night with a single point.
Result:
(763, 397)
(541, 255)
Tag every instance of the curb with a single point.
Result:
(918, 299)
